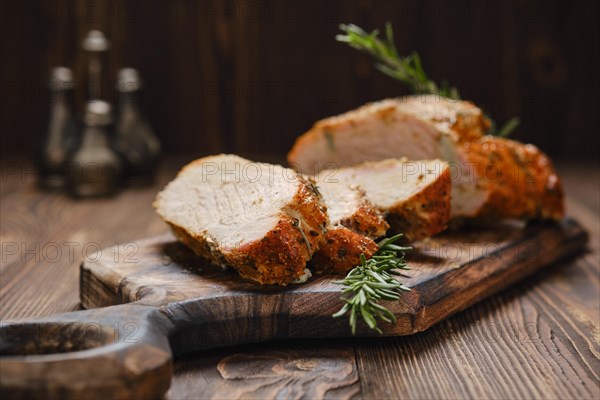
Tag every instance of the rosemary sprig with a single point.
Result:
(371, 281)
(506, 129)
(408, 70)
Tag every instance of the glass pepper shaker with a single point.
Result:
(61, 134)
(95, 168)
(135, 140)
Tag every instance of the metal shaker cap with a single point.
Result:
(98, 113)
(129, 80)
(95, 41)
(61, 78)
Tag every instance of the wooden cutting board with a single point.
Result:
(153, 298)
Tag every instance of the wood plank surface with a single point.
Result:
(537, 340)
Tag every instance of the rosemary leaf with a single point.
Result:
(368, 283)
(508, 127)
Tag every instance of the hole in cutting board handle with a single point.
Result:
(87, 354)
(37, 338)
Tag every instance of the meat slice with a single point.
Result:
(354, 223)
(264, 220)
(414, 195)
(427, 127)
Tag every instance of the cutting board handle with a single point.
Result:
(114, 352)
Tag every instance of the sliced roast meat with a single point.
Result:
(264, 220)
(428, 127)
(354, 223)
(414, 195)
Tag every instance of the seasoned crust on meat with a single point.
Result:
(342, 249)
(520, 179)
(367, 220)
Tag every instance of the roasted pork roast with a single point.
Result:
(490, 176)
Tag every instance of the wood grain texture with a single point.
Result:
(485, 350)
(301, 369)
(46, 235)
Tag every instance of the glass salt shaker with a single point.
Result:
(61, 133)
(95, 168)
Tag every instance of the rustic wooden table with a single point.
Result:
(539, 339)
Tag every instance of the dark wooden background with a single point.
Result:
(249, 77)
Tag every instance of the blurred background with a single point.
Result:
(250, 76)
